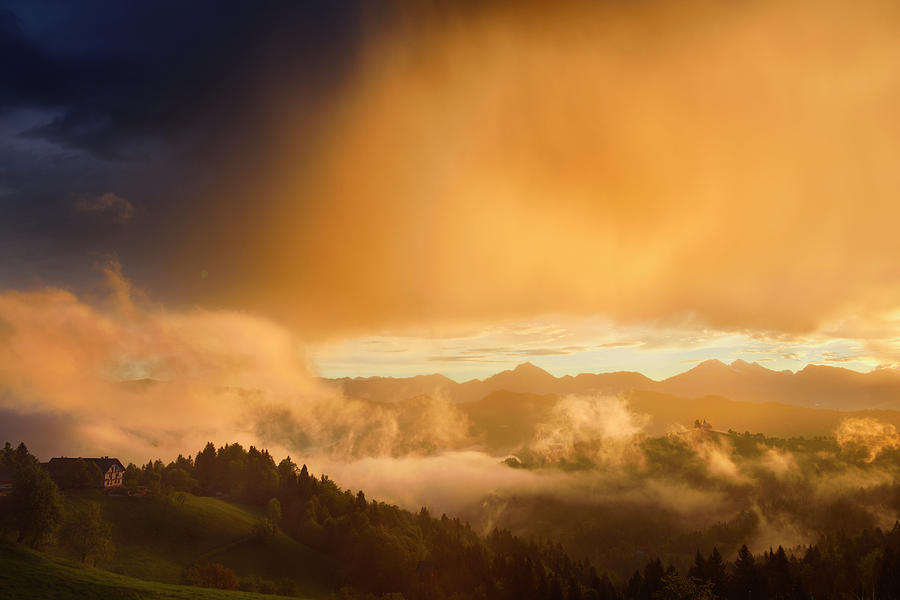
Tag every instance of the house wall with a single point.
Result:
(114, 477)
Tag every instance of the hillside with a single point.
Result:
(26, 575)
(156, 540)
(374, 550)
(504, 420)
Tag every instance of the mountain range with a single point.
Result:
(814, 386)
(506, 410)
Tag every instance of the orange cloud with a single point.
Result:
(729, 162)
(871, 434)
(129, 378)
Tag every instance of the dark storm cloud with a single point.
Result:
(149, 102)
(122, 76)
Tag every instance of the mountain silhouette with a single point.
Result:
(816, 386)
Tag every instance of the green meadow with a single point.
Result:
(156, 539)
(27, 575)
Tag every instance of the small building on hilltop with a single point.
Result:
(70, 472)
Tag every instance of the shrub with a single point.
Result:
(211, 575)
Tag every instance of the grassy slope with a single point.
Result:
(26, 575)
(156, 541)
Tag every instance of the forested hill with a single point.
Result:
(382, 551)
(381, 548)
(385, 549)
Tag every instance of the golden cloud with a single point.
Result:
(730, 162)
(133, 379)
(871, 434)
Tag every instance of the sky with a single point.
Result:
(564, 345)
(400, 188)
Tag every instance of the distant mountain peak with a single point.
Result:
(742, 365)
(709, 367)
(528, 367)
(714, 365)
(524, 372)
(816, 368)
(710, 363)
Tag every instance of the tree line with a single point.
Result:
(385, 549)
